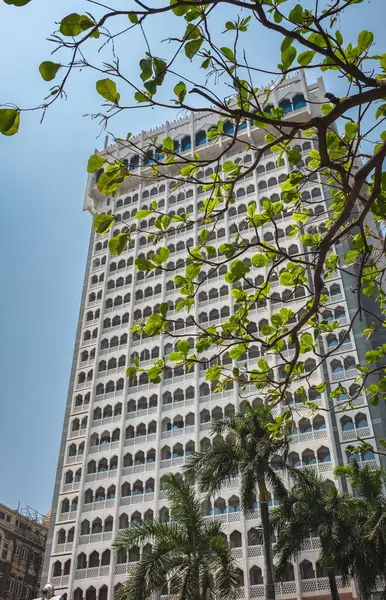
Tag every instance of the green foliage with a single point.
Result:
(118, 243)
(17, 2)
(48, 70)
(75, 24)
(306, 233)
(95, 162)
(103, 223)
(108, 89)
(187, 550)
(9, 121)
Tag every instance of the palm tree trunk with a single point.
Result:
(269, 585)
(333, 586)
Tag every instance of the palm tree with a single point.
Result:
(245, 449)
(314, 510)
(189, 553)
(368, 483)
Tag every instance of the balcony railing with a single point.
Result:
(106, 420)
(60, 581)
(341, 375)
(169, 463)
(177, 405)
(92, 538)
(70, 460)
(319, 585)
(141, 439)
(104, 447)
(78, 433)
(311, 544)
(62, 548)
(141, 412)
(147, 466)
(353, 434)
(107, 474)
(136, 499)
(107, 395)
(92, 572)
(299, 438)
(215, 397)
(67, 516)
(179, 431)
(71, 487)
(90, 506)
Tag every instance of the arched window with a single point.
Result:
(186, 143)
(298, 101)
(200, 138)
(286, 105)
(228, 127)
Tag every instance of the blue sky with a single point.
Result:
(44, 235)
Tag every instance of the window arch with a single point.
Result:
(200, 138)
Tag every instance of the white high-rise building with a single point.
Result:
(120, 438)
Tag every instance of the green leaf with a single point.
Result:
(236, 352)
(17, 2)
(179, 11)
(133, 18)
(339, 37)
(267, 329)
(296, 14)
(140, 97)
(183, 347)
(305, 58)
(365, 39)
(287, 58)
(103, 222)
(193, 270)
(142, 264)
(237, 270)
(204, 236)
(277, 17)
(141, 214)
(151, 87)
(9, 121)
(161, 256)
(381, 111)
(260, 260)
(49, 69)
(192, 47)
(154, 324)
(74, 24)
(95, 162)
(108, 90)
(286, 279)
(118, 243)
(373, 355)
(294, 156)
(175, 356)
(180, 91)
(168, 144)
(351, 130)
(146, 69)
(228, 53)
(286, 43)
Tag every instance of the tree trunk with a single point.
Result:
(333, 587)
(269, 585)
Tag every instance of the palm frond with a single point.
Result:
(135, 535)
(219, 464)
(184, 506)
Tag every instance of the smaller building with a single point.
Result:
(23, 536)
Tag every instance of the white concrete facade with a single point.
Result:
(120, 438)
